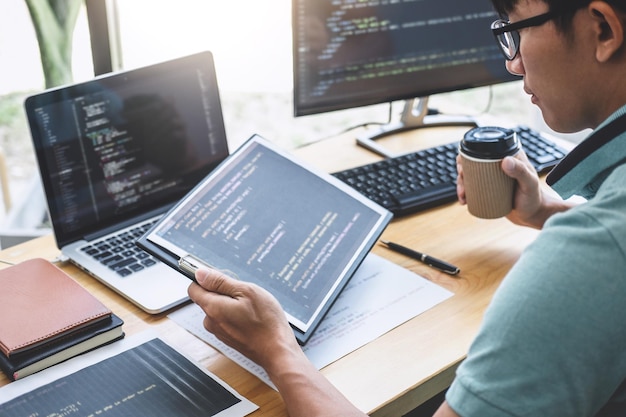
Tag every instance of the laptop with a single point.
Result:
(114, 154)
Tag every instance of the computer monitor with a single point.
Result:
(352, 53)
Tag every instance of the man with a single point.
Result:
(553, 340)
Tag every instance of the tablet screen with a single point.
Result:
(265, 218)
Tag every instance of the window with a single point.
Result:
(20, 75)
(251, 42)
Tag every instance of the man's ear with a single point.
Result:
(609, 28)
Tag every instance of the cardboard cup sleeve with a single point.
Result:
(488, 190)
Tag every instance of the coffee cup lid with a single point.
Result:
(489, 142)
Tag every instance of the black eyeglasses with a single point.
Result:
(507, 34)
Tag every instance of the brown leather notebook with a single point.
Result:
(40, 303)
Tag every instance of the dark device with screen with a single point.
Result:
(350, 54)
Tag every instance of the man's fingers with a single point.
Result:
(216, 281)
(520, 170)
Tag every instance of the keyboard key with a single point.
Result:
(545, 158)
(112, 260)
(124, 272)
(122, 263)
(102, 255)
(434, 195)
(148, 262)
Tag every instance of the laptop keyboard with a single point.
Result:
(119, 253)
(419, 180)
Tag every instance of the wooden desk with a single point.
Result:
(397, 372)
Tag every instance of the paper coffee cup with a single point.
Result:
(488, 190)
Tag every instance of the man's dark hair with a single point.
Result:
(563, 9)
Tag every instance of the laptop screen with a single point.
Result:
(127, 145)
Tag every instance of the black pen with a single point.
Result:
(422, 257)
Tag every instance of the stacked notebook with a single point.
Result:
(46, 317)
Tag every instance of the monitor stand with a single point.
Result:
(414, 116)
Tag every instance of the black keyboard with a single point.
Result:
(419, 180)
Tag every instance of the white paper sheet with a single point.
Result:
(380, 296)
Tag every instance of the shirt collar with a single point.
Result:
(584, 169)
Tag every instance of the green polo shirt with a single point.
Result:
(553, 340)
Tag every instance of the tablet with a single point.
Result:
(265, 217)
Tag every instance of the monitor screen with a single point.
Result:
(352, 53)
